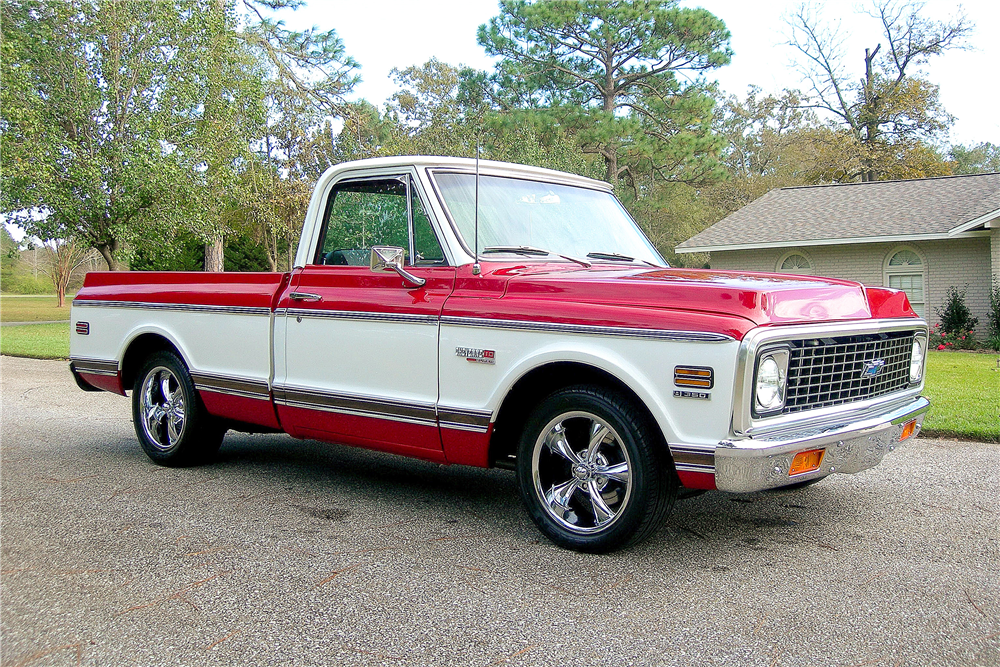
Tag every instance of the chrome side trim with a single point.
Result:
(320, 314)
(231, 385)
(91, 366)
(185, 307)
(357, 405)
(588, 330)
(424, 414)
(477, 421)
(691, 458)
(744, 424)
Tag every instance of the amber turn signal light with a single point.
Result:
(806, 462)
(908, 429)
(694, 376)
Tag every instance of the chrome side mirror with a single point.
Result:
(390, 258)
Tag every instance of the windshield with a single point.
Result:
(556, 219)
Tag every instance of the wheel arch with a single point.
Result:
(540, 381)
(140, 345)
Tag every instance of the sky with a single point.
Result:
(382, 34)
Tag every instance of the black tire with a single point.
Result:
(594, 473)
(171, 422)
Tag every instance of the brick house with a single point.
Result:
(922, 236)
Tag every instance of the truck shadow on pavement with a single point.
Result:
(332, 477)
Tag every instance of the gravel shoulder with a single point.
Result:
(286, 552)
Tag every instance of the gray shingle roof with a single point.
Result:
(856, 210)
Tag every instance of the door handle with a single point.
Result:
(304, 296)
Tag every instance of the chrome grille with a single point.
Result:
(829, 371)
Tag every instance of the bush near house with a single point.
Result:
(993, 317)
(956, 330)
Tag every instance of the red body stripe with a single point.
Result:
(257, 411)
(697, 480)
(105, 382)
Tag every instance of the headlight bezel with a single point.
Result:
(780, 355)
(919, 339)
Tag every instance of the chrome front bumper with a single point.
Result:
(762, 461)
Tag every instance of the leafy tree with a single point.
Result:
(89, 102)
(983, 158)
(890, 111)
(614, 75)
(10, 252)
(429, 109)
(59, 262)
(293, 75)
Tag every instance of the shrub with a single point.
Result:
(947, 340)
(27, 284)
(993, 316)
(956, 318)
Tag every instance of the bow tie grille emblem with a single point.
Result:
(872, 368)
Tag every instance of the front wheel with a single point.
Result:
(172, 425)
(593, 471)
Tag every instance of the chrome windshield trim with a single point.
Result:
(187, 307)
(588, 330)
(744, 424)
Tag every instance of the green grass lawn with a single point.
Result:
(32, 308)
(39, 341)
(964, 390)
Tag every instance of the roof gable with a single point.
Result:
(852, 211)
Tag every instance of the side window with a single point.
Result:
(362, 214)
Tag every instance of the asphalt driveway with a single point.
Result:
(299, 553)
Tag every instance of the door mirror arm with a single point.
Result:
(390, 258)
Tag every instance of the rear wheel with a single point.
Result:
(593, 472)
(172, 425)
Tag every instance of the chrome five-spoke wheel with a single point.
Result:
(171, 422)
(594, 471)
(161, 403)
(581, 472)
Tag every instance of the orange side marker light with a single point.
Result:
(806, 462)
(908, 429)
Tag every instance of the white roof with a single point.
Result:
(487, 167)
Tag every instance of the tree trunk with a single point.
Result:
(611, 163)
(214, 256)
(108, 251)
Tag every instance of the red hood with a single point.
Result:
(759, 297)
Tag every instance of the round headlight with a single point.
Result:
(917, 360)
(768, 385)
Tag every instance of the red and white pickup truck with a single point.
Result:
(503, 315)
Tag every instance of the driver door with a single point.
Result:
(360, 347)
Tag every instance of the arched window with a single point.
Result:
(905, 269)
(794, 262)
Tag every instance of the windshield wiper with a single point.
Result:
(531, 250)
(516, 249)
(618, 257)
(613, 256)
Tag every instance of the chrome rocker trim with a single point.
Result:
(762, 461)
